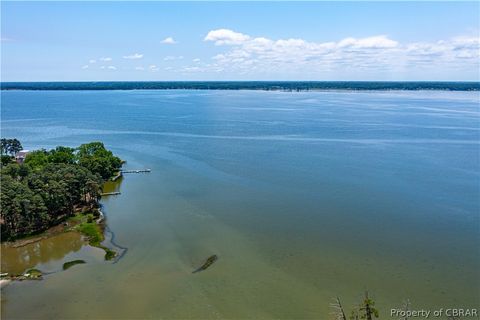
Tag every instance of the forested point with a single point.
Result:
(50, 186)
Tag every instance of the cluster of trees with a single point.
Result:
(50, 185)
(93, 156)
(10, 146)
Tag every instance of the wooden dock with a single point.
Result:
(110, 193)
(136, 171)
(117, 176)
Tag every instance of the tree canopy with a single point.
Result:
(10, 146)
(49, 185)
(97, 159)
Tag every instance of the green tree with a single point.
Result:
(50, 185)
(22, 211)
(15, 146)
(99, 160)
(37, 159)
(12, 170)
(62, 155)
(23, 171)
(5, 160)
(366, 310)
(3, 146)
(10, 146)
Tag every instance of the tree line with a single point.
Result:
(10, 146)
(50, 185)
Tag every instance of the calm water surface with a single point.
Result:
(303, 196)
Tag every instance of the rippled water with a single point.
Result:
(303, 197)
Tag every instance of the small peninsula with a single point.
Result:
(46, 192)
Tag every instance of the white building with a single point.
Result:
(21, 155)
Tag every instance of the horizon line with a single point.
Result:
(312, 81)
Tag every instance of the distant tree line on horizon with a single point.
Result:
(245, 85)
(50, 185)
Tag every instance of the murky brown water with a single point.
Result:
(47, 254)
(50, 253)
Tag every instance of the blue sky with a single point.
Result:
(68, 41)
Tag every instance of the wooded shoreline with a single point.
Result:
(32, 211)
(48, 187)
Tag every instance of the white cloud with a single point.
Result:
(169, 40)
(112, 68)
(105, 59)
(139, 68)
(134, 56)
(226, 36)
(376, 42)
(92, 61)
(153, 68)
(245, 54)
(169, 58)
(196, 60)
(85, 66)
(466, 42)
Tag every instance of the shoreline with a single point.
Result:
(113, 252)
(88, 221)
(50, 232)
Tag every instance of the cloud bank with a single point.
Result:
(245, 54)
(376, 57)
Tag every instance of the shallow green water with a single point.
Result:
(303, 196)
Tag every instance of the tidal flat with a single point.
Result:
(303, 196)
